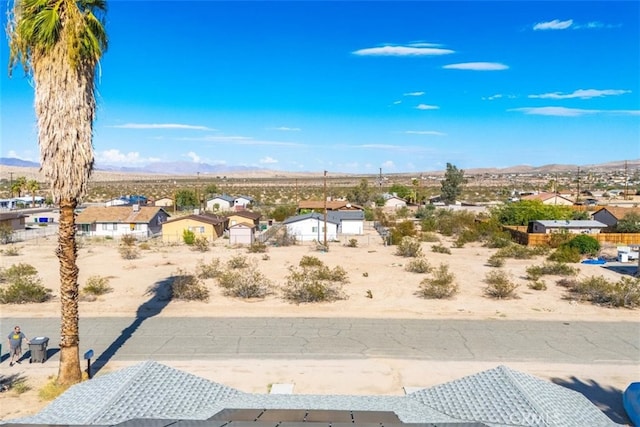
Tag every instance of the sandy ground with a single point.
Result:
(371, 266)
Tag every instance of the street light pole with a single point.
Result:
(326, 248)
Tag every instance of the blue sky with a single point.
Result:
(357, 86)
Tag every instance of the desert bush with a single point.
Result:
(499, 285)
(495, 261)
(52, 389)
(97, 285)
(17, 271)
(419, 265)
(538, 285)
(310, 261)
(188, 287)
(128, 240)
(352, 243)
(26, 289)
(517, 251)
(245, 283)
(145, 246)
(257, 248)
(565, 254)
(557, 239)
(440, 249)
(283, 238)
(129, 252)
(440, 285)
(201, 244)
(237, 261)
(429, 237)
(585, 244)
(534, 272)
(6, 233)
(598, 290)
(208, 271)
(409, 247)
(467, 236)
(498, 240)
(188, 236)
(402, 230)
(305, 285)
(12, 251)
(20, 386)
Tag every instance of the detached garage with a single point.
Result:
(242, 233)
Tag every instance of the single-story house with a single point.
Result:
(243, 201)
(223, 202)
(14, 220)
(116, 221)
(242, 233)
(152, 394)
(610, 215)
(393, 201)
(565, 226)
(349, 222)
(331, 205)
(207, 225)
(549, 199)
(127, 200)
(249, 217)
(310, 227)
(23, 201)
(164, 202)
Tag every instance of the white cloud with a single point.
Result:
(498, 96)
(268, 160)
(161, 126)
(553, 25)
(114, 156)
(477, 66)
(570, 112)
(411, 50)
(427, 107)
(388, 165)
(194, 157)
(419, 93)
(239, 140)
(287, 129)
(425, 132)
(582, 94)
(397, 102)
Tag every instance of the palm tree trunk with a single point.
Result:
(69, 370)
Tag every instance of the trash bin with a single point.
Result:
(38, 349)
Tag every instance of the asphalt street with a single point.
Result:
(167, 338)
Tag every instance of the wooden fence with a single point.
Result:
(519, 234)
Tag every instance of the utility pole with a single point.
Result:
(578, 196)
(11, 184)
(326, 248)
(626, 182)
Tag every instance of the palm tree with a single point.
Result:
(59, 43)
(18, 185)
(32, 186)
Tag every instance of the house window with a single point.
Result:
(314, 229)
(109, 226)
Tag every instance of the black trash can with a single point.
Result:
(38, 349)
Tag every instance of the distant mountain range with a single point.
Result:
(190, 168)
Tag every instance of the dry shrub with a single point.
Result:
(409, 247)
(245, 283)
(314, 282)
(499, 285)
(129, 252)
(238, 261)
(257, 248)
(201, 244)
(208, 271)
(598, 290)
(419, 265)
(97, 285)
(440, 285)
(188, 287)
(440, 249)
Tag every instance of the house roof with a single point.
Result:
(312, 215)
(155, 392)
(243, 224)
(225, 197)
(118, 214)
(339, 216)
(544, 196)
(331, 205)
(618, 212)
(245, 214)
(587, 223)
(206, 218)
(6, 216)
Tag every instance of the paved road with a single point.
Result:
(164, 338)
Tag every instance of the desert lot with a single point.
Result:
(379, 287)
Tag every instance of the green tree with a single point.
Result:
(59, 43)
(360, 194)
(452, 184)
(18, 185)
(630, 223)
(32, 186)
(520, 213)
(280, 213)
(401, 191)
(186, 198)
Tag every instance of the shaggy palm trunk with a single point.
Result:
(69, 370)
(65, 108)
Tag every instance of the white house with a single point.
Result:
(566, 226)
(393, 201)
(243, 201)
(224, 202)
(310, 227)
(116, 221)
(349, 222)
(120, 201)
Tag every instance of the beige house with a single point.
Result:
(164, 202)
(207, 225)
(610, 215)
(550, 199)
(248, 217)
